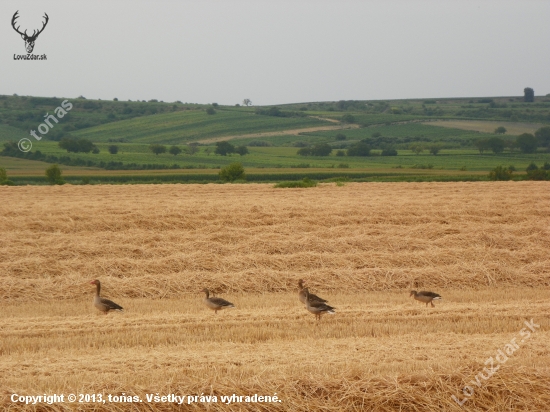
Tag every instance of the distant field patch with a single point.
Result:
(488, 126)
(180, 127)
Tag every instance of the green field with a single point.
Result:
(181, 127)
(273, 137)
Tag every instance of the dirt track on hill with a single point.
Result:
(280, 133)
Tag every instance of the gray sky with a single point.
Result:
(278, 51)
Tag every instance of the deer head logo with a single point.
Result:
(29, 40)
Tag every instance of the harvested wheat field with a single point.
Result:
(483, 246)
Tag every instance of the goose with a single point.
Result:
(426, 297)
(104, 305)
(216, 303)
(317, 308)
(302, 294)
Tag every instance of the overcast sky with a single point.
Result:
(276, 51)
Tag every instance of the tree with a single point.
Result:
(53, 174)
(242, 150)
(175, 150)
(71, 144)
(157, 148)
(304, 151)
(389, 151)
(192, 148)
(340, 136)
(528, 95)
(500, 173)
(247, 102)
(113, 149)
(224, 148)
(527, 143)
(321, 149)
(210, 110)
(434, 149)
(543, 135)
(496, 144)
(500, 130)
(348, 118)
(482, 144)
(4, 181)
(232, 172)
(359, 149)
(416, 148)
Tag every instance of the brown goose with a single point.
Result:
(104, 305)
(216, 303)
(317, 308)
(302, 294)
(425, 297)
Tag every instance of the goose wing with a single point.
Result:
(110, 304)
(315, 298)
(429, 294)
(220, 302)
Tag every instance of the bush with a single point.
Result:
(389, 152)
(359, 149)
(4, 181)
(210, 110)
(53, 175)
(224, 148)
(348, 118)
(304, 151)
(175, 150)
(232, 172)
(71, 144)
(546, 166)
(434, 149)
(192, 148)
(340, 153)
(527, 143)
(305, 182)
(543, 136)
(496, 144)
(500, 173)
(321, 149)
(538, 174)
(113, 149)
(340, 136)
(500, 130)
(242, 150)
(157, 148)
(532, 166)
(416, 148)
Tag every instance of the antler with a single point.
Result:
(43, 27)
(15, 16)
(34, 34)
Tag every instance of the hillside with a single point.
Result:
(186, 126)
(451, 135)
